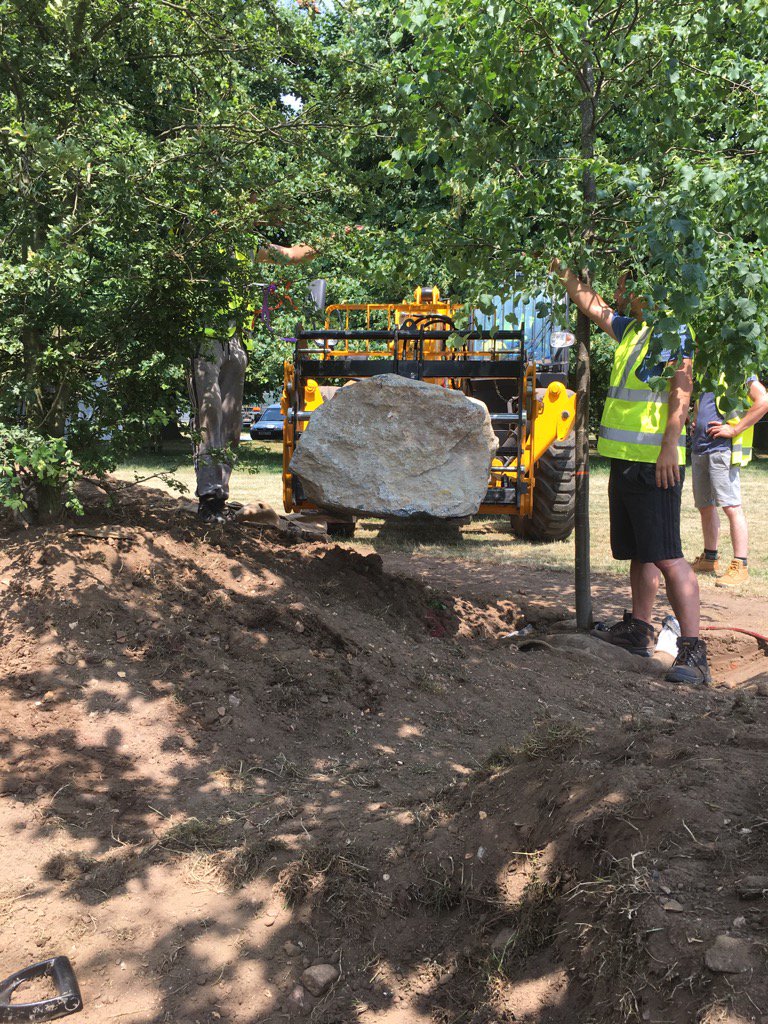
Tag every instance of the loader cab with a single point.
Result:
(545, 342)
(543, 321)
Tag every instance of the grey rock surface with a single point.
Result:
(393, 447)
(728, 955)
(590, 648)
(753, 887)
(318, 979)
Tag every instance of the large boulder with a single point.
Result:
(393, 447)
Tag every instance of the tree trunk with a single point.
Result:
(44, 407)
(582, 577)
(582, 583)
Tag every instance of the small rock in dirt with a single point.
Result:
(739, 922)
(753, 887)
(728, 955)
(672, 906)
(318, 979)
(291, 948)
(222, 710)
(324, 699)
(297, 1000)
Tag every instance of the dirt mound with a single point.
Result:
(230, 756)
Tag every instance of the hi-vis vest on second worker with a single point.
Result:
(741, 446)
(634, 415)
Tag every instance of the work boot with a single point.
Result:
(632, 635)
(212, 510)
(705, 566)
(736, 574)
(690, 665)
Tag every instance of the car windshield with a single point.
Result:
(272, 414)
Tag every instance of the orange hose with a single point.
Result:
(740, 629)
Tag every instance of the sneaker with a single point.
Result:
(690, 665)
(734, 575)
(212, 510)
(632, 635)
(704, 565)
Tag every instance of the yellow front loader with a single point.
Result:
(532, 410)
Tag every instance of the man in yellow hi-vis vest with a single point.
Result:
(642, 433)
(216, 377)
(721, 446)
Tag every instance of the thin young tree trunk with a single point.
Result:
(582, 582)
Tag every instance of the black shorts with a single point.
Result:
(645, 519)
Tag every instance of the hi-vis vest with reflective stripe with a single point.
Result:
(741, 446)
(634, 416)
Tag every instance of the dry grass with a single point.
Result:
(549, 741)
(613, 957)
(531, 925)
(336, 883)
(193, 834)
(489, 539)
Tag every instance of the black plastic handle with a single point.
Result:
(66, 1000)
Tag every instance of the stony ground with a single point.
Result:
(231, 758)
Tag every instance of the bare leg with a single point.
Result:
(644, 581)
(710, 526)
(683, 593)
(739, 532)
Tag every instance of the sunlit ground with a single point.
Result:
(488, 539)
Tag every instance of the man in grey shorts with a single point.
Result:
(216, 377)
(721, 446)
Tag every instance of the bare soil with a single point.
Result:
(228, 757)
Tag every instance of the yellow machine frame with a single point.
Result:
(421, 334)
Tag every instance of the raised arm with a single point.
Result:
(585, 298)
(758, 409)
(273, 253)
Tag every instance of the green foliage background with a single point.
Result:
(146, 147)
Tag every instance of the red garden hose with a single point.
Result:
(740, 629)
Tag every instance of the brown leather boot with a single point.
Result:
(736, 574)
(705, 566)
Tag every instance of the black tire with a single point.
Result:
(554, 496)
